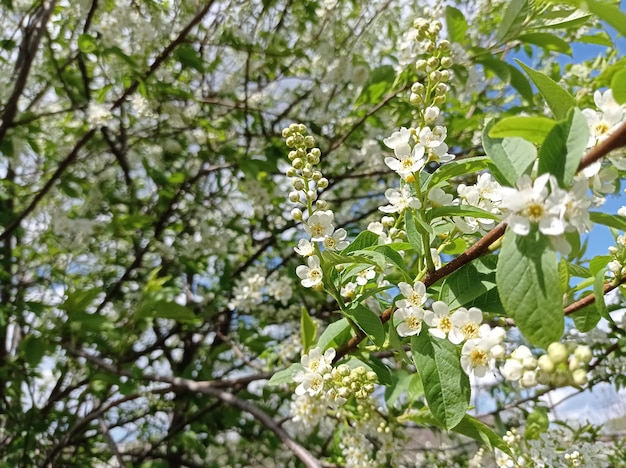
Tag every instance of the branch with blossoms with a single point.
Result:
(542, 200)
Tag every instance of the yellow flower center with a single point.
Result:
(330, 243)
(407, 163)
(445, 324)
(415, 299)
(315, 274)
(534, 211)
(413, 323)
(601, 128)
(317, 230)
(478, 358)
(470, 330)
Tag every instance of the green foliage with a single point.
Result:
(447, 391)
(528, 285)
(512, 157)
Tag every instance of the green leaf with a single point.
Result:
(470, 282)
(285, 375)
(457, 25)
(605, 11)
(394, 258)
(614, 221)
(528, 285)
(166, 310)
(512, 156)
(412, 233)
(558, 19)
(87, 43)
(514, 16)
(564, 275)
(597, 264)
(447, 388)
(364, 240)
(455, 169)
(520, 83)
(460, 210)
(618, 85)
(547, 41)
(308, 329)
(33, 348)
(335, 334)
(479, 431)
(382, 371)
(533, 129)
(369, 322)
(400, 380)
(189, 57)
(558, 99)
(564, 147)
(599, 38)
(78, 301)
(586, 318)
(498, 67)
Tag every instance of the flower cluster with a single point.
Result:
(543, 203)
(618, 254)
(562, 365)
(306, 180)
(483, 345)
(333, 386)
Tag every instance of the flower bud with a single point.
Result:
(444, 45)
(431, 113)
(579, 377)
(294, 197)
(307, 172)
(309, 141)
(529, 379)
(439, 100)
(296, 214)
(446, 62)
(322, 183)
(545, 364)
(441, 89)
(286, 132)
(317, 175)
(301, 128)
(583, 353)
(291, 172)
(311, 195)
(420, 65)
(322, 205)
(558, 352)
(415, 99)
(560, 379)
(543, 378)
(498, 352)
(432, 63)
(388, 221)
(290, 142)
(297, 163)
(445, 75)
(435, 76)
(417, 88)
(297, 184)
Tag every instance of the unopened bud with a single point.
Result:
(296, 214)
(579, 377)
(558, 352)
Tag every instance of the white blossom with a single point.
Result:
(310, 275)
(415, 296)
(320, 225)
(400, 200)
(410, 320)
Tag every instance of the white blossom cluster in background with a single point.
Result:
(557, 448)
(254, 287)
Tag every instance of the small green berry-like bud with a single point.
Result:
(322, 183)
(420, 65)
(291, 172)
(290, 142)
(286, 132)
(309, 141)
(294, 197)
(301, 128)
(311, 195)
(445, 75)
(435, 76)
(317, 175)
(583, 353)
(297, 163)
(439, 100)
(307, 171)
(558, 352)
(323, 205)
(415, 99)
(545, 364)
(417, 88)
(579, 377)
(444, 45)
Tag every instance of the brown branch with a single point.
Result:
(298, 450)
(590, 298)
